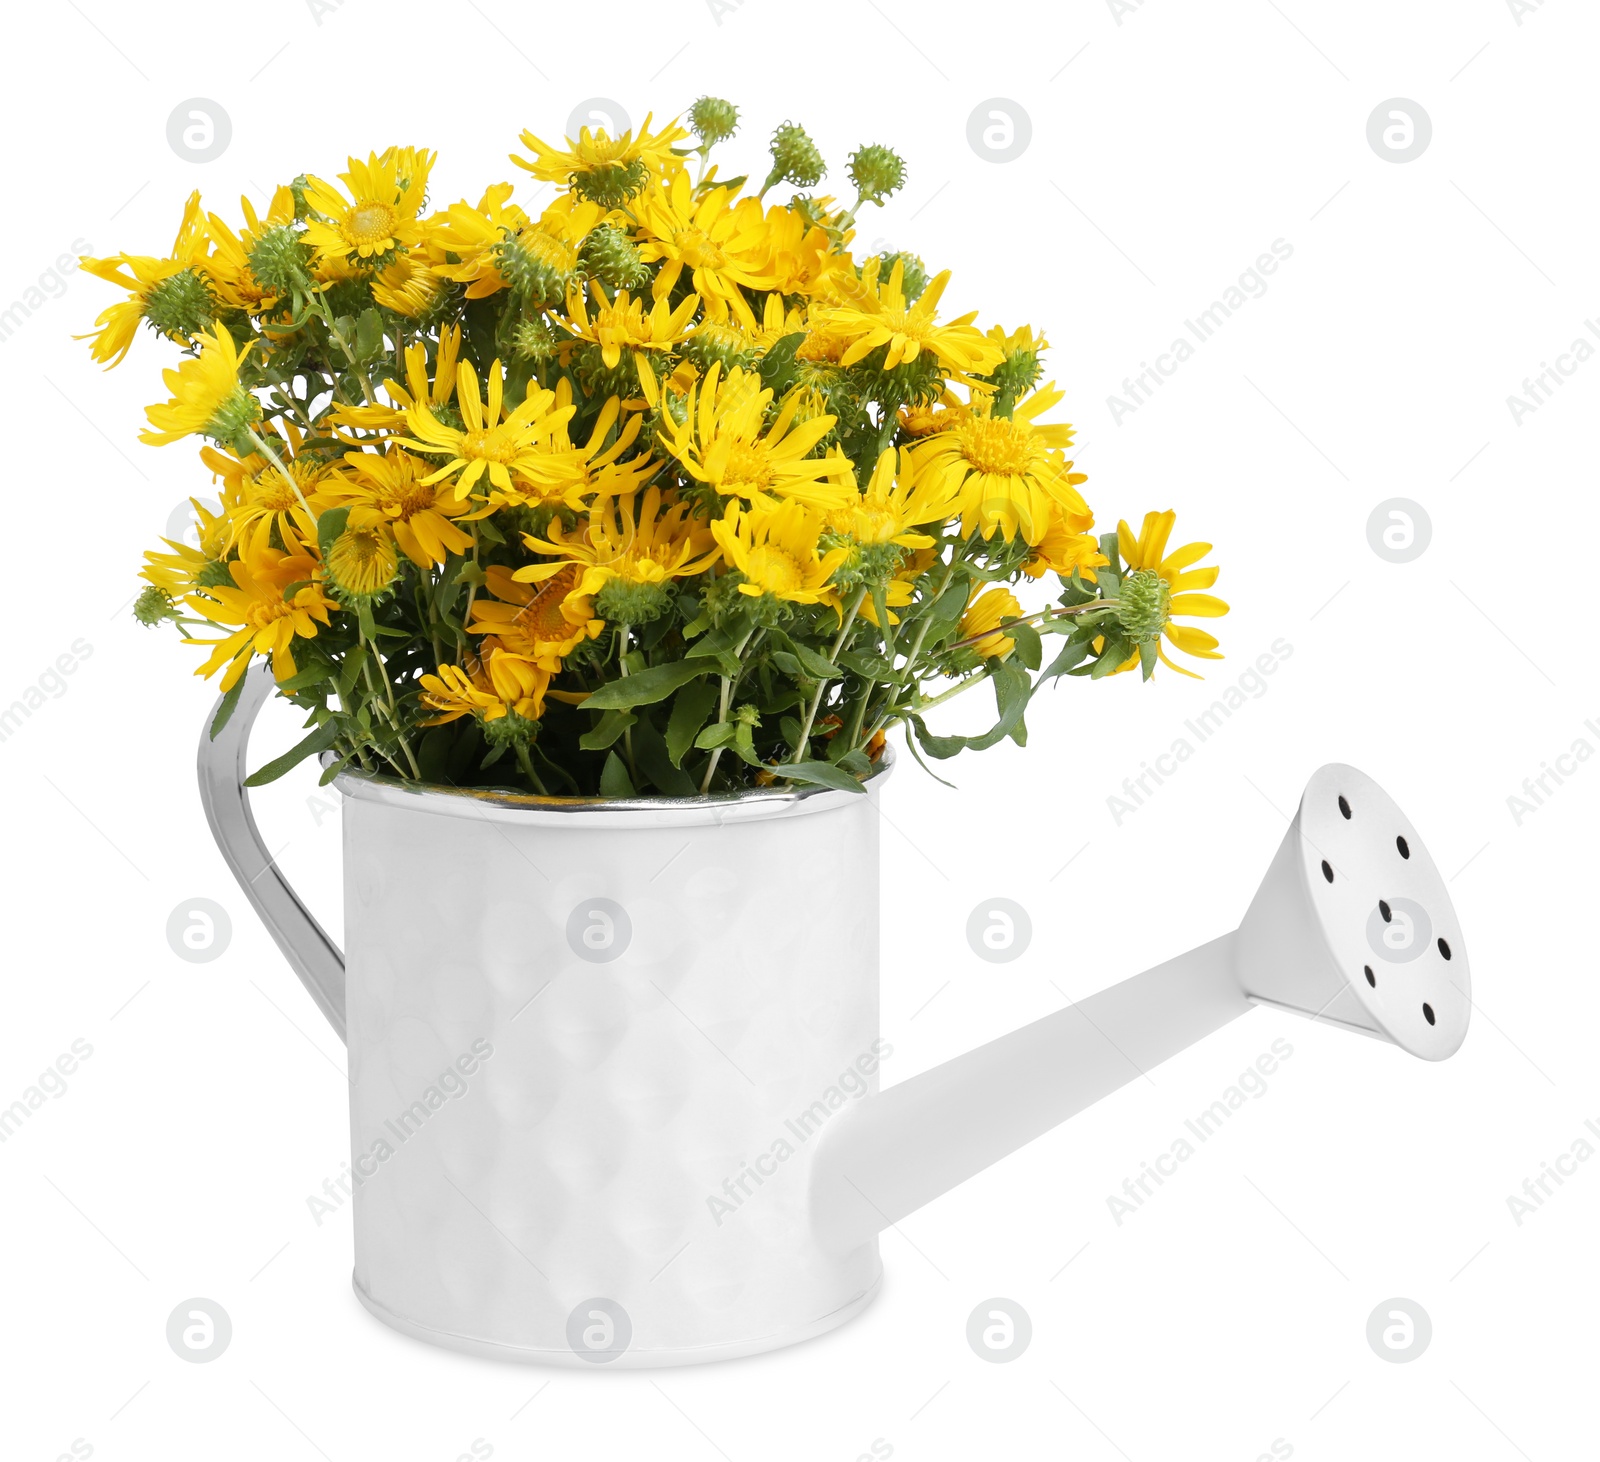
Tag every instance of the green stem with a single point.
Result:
(267, 451)
(526, 763)
(803, 746)
(321, 307)
(627, 734)
(722, 711)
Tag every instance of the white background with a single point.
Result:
(1170, 147)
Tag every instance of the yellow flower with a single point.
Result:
(797, 250)
(1063, 550)
(624, 539)
(407, 286)
(602, 167)
(143, 278)
(543, 625)
(1156, 585)
(268, 623)
(488, 445)
(721, 246)
(392, 488)
(496, 246)
(869, 317)
(985, 612)
(461, 241)
(380, 215)
(436, 396)
(620, 324)
(777, 552)
(723, 444)
(178, 572)
(229, 266)
(596, 466)
(206, 395)
(259, 501)
(1009, 474)
(510, 685)
(892, 505)
(361, 562)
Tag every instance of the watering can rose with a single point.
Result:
(658, 490)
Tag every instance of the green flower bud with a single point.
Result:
(795, 158)
(913, 273)
(610, 256)
(1142, 605)
(510, 730)
(531, 339)
(877, 172)
(233, 420)
(599, 380)
(181, 305)
(621, 602)
(153, 605)
(281, 262)
(537, 267)
(714, 340)
(212, 574)
(612, 184)
(713, 120)
(745, 715)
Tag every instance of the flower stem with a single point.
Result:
(722, 712)
(804, 743)
(267, 451)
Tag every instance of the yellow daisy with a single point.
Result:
(260, 502)
(380, 214)
(143, 277)
(1156, 585)
(229, 265)
(720, 246)
(509, 685)
(1008, 473)
(777, 552)
(621, 324)
(178, 573)
(870, 316)
(543, 624)
(723, 442)
(486, 445)
(407, 286)
(598, 166)
(986, 611)
(637, 542)
(207, 398)
(392, 488)
(1063, 550)
(267, 622)
(893, 504)
(435, 395)
(361, 562)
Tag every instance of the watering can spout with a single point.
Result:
(1352, 927)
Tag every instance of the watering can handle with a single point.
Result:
(312, 955)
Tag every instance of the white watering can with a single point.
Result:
(613, 1065)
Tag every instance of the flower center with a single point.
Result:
(748, 467)
(492, 445)
(699, 250)
(542, 618)
(775, 570)
(370, 222)
(995, 446)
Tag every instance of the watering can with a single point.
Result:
(614, 1065)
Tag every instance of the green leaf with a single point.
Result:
(350, 671)
(1030, 649)
(823, 775)
(867, 665)
(225, 709)
(369, 335)
(721, 733)
(335, 768)
(1012, 691)
(609, 728)
(856, 761)
(1072, 653)
(310, 676)
(487, 529)
(645, 688)
(319, 740)
(818, 667)
(689, 712)
(777, 365)
(1147, 658)
(329, 526)
(614, 780)
(651, 752)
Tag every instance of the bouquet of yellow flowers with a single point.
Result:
(656, 491)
